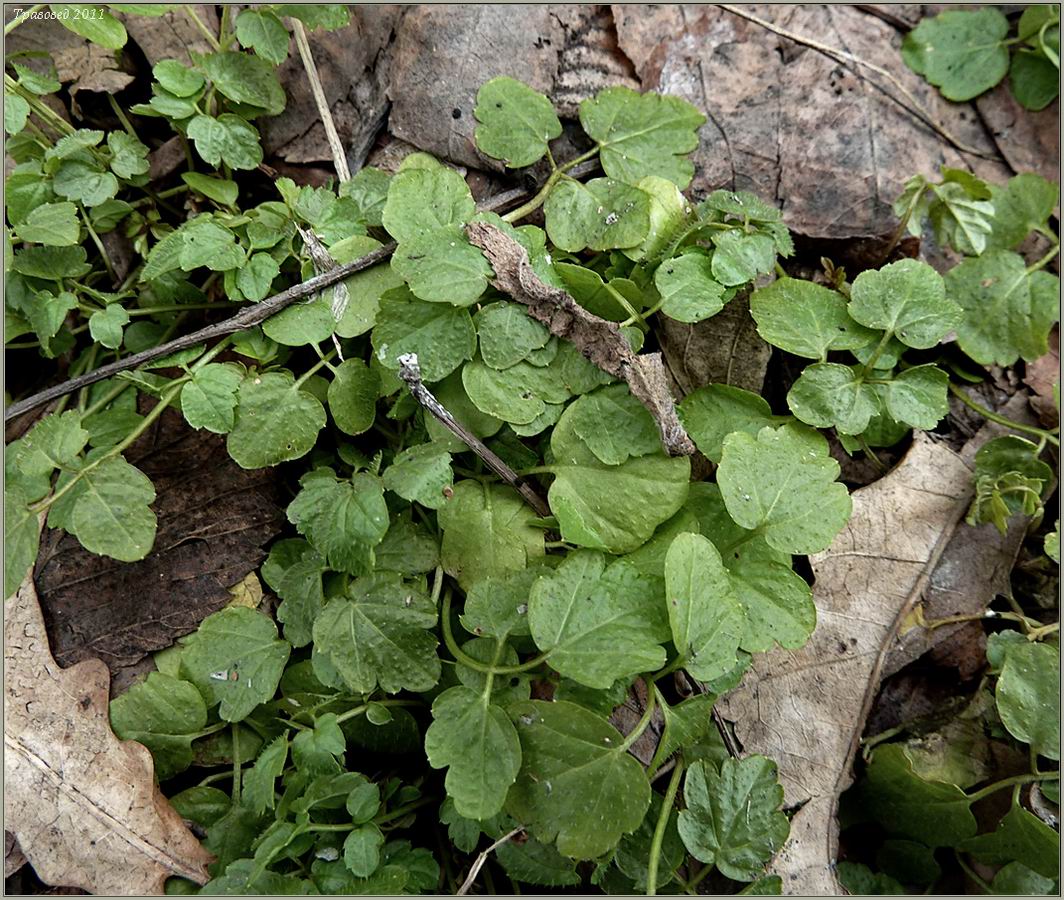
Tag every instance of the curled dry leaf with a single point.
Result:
(806, 708)
(599, 340)
(83, 805)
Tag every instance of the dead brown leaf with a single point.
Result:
(14, 859)
(83, 805)
(214, 520)
(600, 341)
(1030, 141)
(1041, 376)
(806, 708)
(174, 34)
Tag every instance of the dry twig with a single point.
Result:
(331, 134)
(482, 858)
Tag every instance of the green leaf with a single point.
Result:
(441, 266)
(422, 201)
(907, 297)
(685, 724)
(22, 534)
(53, 442)
(421, 474)
(707, 621)
(1052, 543)
(611, 508)
(276, 421)
(1023, 204)
(317, 752)
(54, 224)
(106, 325)
(519, 394)
(783, 485)
(487, 533)
(246, 79)
(329, 16)
(236, 659)
(858, 879)
(595, 295)
(377, 635)
(202, 805)
(179, 80)
(732, 819)
(1028, 698)
(499, 606)
(204, 242)
(51, 263)
(257, 787)
(301, 323)
(642, 134)
(451, 393)
(908, 861)
(477, 743)
(576, 785)
(35, 82)
(614, 425)
(508, 334)
(442, 336)
(534, 862)
(739, 258)
(343, 520)
(712, 412)
(669, 213)
(601, 214)
(111, 514)
(220, 190)
(226, 138)
(129, 157)
(633, 853)
(959, 219)
(919, 396)
(516, 122)
(16, 113)
(833, 395)
(1035, 80)
(294, 570)
(84, 182)
(164, 714)
(1021, 837)
(362, 848)
(600, 623)
(1016, 878)
(92, 22)
(806, 319)
(256, 277)
(264, 33)
(688, 290)
(353, 395)
(24, 192)
(961, 53)
(1004, 318)
(209, 399)
(933, 813)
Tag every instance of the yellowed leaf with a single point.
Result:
(83, 805)
(246, 592)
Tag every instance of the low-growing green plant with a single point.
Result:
(965, 53)
(639, 582)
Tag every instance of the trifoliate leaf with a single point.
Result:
(54, 224)
(106, 325)
(110, 512)
(442, 266)
(712, 412)
(209, 399)
(934, 813)
(739, 258)
(508, 334)
(421, 201)
(1028, 698)
(476, 741)
(53, 442)
(276, 421)
(614, 425)
(421, 474)
(487, 533)
(343, 520)
(227, 139)
(1021, 837)
(961, 53)
(263, 32)
(499, 606)
(918, 396)
(378, 635)
(959, 219)
(257, 787)
(732, 819)
(204, 242)
(1023, 204)
(907, 297)
(611, 508)
(353, 395)
(516, 122)
(599, 623)
(601, 214)
(707, 621)
(164, 714)
(1002, 320)
(576, 785)
(92, 22)
(642, 134)
(806, 319)
(84, 182)
(235, 658)
(246, 79)
(783, 484)
(362, 849)
(833, 395)
(688, 290)
(442, 336)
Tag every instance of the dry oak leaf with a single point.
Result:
(83, 805)
(806, 708)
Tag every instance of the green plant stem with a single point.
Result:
(170, 308)
(992, 416)
(659, 829)
(225, 36)
(971, 873)
(1044, 261)
(237, 763)
(437, 586)
(871, 454)
(341, 827)
(203, 29)
(403, 810)
(19, 19)
(324, 361)
(866, 370)
(466, 660)
(359, 710)
(90, 361)
(537, 201)
(99, 244)
(1009, 782)
(161, 195)
(42, 109)
(117, 110)
(642, 724)
(693, 883)
(634, 318)
(1036, 634)
(217, 776)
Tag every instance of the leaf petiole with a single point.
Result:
(466, 660)
(992, 416)
(644, 722)
(659, 829)
(541, 197)
(1009, 782)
